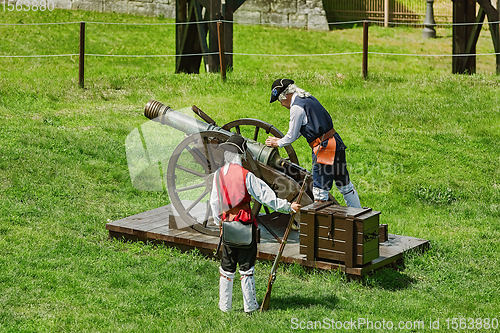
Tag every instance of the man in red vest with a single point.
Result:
(237, 186)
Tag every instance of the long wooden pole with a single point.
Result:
(272, 276)
(365, 49)
(222, 55)
(81, 67)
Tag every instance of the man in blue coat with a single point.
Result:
(310, 119)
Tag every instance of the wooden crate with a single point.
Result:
(339, 233)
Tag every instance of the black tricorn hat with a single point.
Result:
(236, 143)
(278, 87)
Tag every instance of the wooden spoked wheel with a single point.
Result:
(258, 130)
(190, 175)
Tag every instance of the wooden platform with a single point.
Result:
(164, 225)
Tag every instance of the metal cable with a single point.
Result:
(434, 55)
(49, 23)
(378, 22)
(149, 55)
(246, 54)
(107, 23)
(242, 54)
(174, 23)
(39, 55)
(435, 24)
(292, 55)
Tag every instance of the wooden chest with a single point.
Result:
(333, 232)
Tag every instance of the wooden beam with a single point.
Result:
(489, 9)
(495, 36)
(204, 3)
(213, 42)
(202, 29)
(464, 11)
(180, 17)
(192, 38)
(493, 16)
(476, 30)
(188, 42)
(228, 31)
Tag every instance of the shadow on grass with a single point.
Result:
(388, 279)
(301, 302)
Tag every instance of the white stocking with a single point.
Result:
(225, 290)
(248, 289)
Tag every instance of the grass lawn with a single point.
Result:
(423, 144)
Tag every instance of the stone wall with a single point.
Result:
(307, 14)
(285, 13)
(165, 8)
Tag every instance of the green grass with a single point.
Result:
(423, 147)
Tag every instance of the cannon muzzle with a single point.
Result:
(154, 109)
(164, 114)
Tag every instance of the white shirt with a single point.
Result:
(257, 188)
(298, 118)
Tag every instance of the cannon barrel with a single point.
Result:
(164, 114)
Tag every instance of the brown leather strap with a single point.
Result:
(326, 136)
(231, 213)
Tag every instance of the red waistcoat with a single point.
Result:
(235, 197)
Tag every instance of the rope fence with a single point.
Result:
(39, 56)
(365, 51)
(234, 22)
(361, 52)
(246, 54)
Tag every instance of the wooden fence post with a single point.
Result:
(365, 49)
(222, 55)
(81, 68)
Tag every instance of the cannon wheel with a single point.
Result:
(258, 125)
(194, 161)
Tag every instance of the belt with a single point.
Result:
(328, 135)
(233, 211)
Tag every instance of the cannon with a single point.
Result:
(192, 164)
(183, 161)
